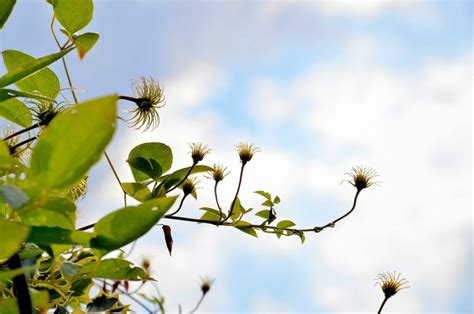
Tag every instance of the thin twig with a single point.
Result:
(31, 139)
(236, 192)
(382, 305)
(180, 205)
(34, 126)
(116, 177)
(20, 286)
(198, 304)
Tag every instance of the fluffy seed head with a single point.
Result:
(45, 111)
(218, 172)
(198, 151)
(190, 185)
(246, 151)
(362, 177)
(149, 99)
(391, 283)
(206, 284)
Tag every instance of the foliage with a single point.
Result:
(43, 172)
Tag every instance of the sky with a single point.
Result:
(320, 87)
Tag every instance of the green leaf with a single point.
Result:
(267, 203)
(138, 191)
(13, 196)
(55, 212)
(6, 94)
(128, 224)
(85, 42)
(16, 111)
(31, 67)
(237, 210)
(301, 236)
(70, 269)
(264, 194)
(102, 303)
(148, 166)
(13, 234)
(285, 224)
(6, 7)
(73, 142)
(213, 211)
(265, 214)
(44, 81)
(172, 179)
(209, 215)
(73, 15)
(244, 226)
(276, 200)
(113, 268)
(40, 302)
(159, 152)
(6, 160)
(55, 235)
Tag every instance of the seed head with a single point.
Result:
(146, 264)
(149, 99)
(246, 151)
(206, 284)
(78, 190)
(218, 172)
(45, 111)
(198, 151)
(190, 185)
(362, 177)
(391, 283)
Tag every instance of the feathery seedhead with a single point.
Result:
(45, 111)
(189, 186)
(206, 284)
(198, 151)
(19, 153)
(218, 172)
(362, 177)
(246, 151)
(391, 283)
(146, 264)
(149, 99)
(78, 190)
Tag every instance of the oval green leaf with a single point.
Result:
(128, 224)
(73, 142)
(73, 15)
(6, 7)
(158, 152)
(16, 112)
(84, 43)
(44, 81)
(13, 235)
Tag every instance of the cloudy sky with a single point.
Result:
(320, 87)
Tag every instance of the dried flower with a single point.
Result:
(391, 283)
(218, 172)
(78, 190)
(362, 177)
(246, 151)
(198, 151)
(149, 99)
(189, 186)
(206, 284)
(45, 111)
(146, 264)
(20, 153)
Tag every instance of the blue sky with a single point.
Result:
(320, 87)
